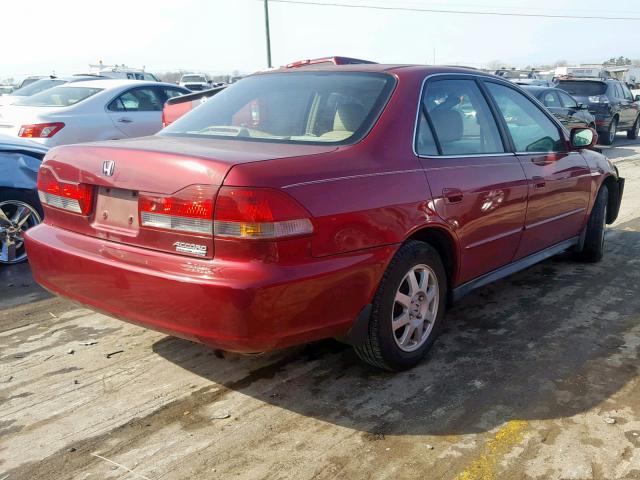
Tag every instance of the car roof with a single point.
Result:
(398, 69)
(116, 83)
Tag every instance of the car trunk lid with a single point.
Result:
(128, 175)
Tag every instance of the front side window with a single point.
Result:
(461, 119)
(137, 100)
(567, 101)
(530, 129)
(59, 97)
(297, 107)
(627, 92)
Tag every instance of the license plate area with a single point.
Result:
(117, 211)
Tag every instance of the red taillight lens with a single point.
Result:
(40, 130)
(73, 197)
(259, 213)
(189, 210)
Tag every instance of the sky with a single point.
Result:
(65, 36)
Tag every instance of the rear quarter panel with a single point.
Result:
(361, 196)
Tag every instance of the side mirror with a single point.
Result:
(582, 106)
(583, 137)
(637, 98)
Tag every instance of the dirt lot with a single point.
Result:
(535, 377)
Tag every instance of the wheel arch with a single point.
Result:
(613, 198)
(445, 244)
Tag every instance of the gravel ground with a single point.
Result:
(535, 377)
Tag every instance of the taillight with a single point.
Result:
(258, 213)
(73, 197)
(189, 210)
(40, 130)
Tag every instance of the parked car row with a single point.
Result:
(386, 192)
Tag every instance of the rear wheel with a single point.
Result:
(16, 217)
(593, 248)
(635, 130)
(407, 309)
(610, 135)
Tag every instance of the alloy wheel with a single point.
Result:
(415, 308)
(15, 218)
(612, 130)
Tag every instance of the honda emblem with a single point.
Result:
(108, 166)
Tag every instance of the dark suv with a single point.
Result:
(611, 102)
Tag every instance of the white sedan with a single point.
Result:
(89, 111)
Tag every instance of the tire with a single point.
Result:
(422, 306)
(609, 136)
(593, 248)
(17, 216)
(633, 133)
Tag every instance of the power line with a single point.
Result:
(455, 12)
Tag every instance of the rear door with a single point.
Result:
(137, 112)
(478, 187)
(559, 179)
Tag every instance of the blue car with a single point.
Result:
(20, 207)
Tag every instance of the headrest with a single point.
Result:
(448, 124)
(349, 117)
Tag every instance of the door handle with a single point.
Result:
(542, 161)
(452, 195)
(539, 182)
(124, 120)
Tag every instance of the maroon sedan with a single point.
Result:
(349, 201)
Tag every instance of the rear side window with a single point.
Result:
(551, 100)
(59, 97)
(567, 101)
(137, 100)
(172, 92)
(461, 119)
(530, 129)
(297, 107)
(583, 88)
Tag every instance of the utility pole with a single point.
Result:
(266, 26)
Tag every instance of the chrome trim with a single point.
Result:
(351, 177)
(552, 219)
(494, 238)
(473, 155)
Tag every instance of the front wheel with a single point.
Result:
(633, 133)
(593, 248)
(407, 310)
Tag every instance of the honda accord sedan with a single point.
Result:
(352, 201)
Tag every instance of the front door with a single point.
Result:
(559, 179)
(137, 112)
(478, 187)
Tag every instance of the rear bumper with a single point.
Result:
(236, 306)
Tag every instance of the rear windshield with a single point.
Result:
(37, 87)
(300, 107)
(59, 97)
(193, 78)
(582, 88)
